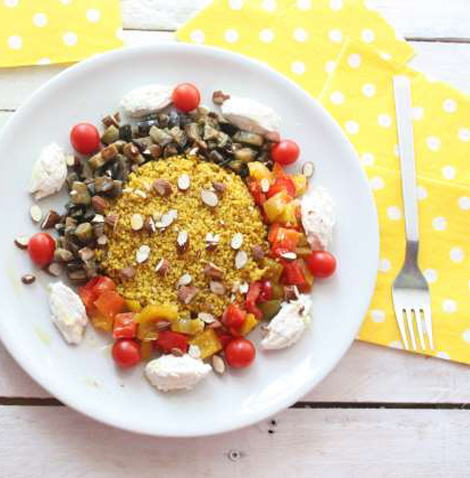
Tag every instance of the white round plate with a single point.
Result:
(84, 377)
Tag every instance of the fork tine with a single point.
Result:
(419, 326)
(411, 331)
(428, 323)
(401, 327)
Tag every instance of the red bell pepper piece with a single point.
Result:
(284, 183)
(266, 291)
(251, 299)
(287, 239)
(168, 340)
(109, 303)
(125, 326)
(255, 190)
(293, 273)
(234, 317)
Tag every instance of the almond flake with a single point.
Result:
(212, 240)
(241, 258)
(308, 169)
(218, 364)
(54, 269)
(185, 279)
(244, 287)
(142, 254)
(184, 182)
(237, 241)
(217, 287)
(35, 213)
(206, 317)
(209, 198)
(173, 213)
(289, 256)
(98, 219)
(28, 279)
(22, 242)
(165, 221)
(139, 192)
(137, 222)
(162, 267)
(182, 241)
(264, 184)
(194, 351)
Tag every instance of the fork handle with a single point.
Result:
(404, 115)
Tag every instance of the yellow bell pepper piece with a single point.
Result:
(147, 331)
(208, 343)
(133, 305)
(188, 326)
(289, 215)
(300, 183)
(102, 322)
(250, 323)
(146, 349)
(260, 171)
(276, 205)
(151, 313)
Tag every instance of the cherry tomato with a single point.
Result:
(186, 97)
(285, 152)
(126, 353)
(321, 263)
(240, 353)
(266, 291)
(41, 249)
(85, 138)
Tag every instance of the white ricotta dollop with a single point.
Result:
(68, 312)
(49, 172)
(318, 218)
(288, 325)
(249, 115)
(168, 372)
(146, 99)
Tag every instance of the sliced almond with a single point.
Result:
(98, 219)
(28, 279)
(127, 273)
(212, 241)
(185, 279)
(209, 198)
(137, 222)
(206, 317)
(163, 324)
(149, 225)
(52, 218)
(22, 242)
(187, 293)
(308, 169)
(86, 254)
(111, 220)
(142, 254)
(35, 213)
(182, 241)
(218, 364)
(291, 292)
(244, 287)
(162, 187)
(264, 185)
(162, 267)
(217, 287)
(194, 351)
(289, 256)
(219, 187)
(102, 240)
(237, 241)
(241, 258)
(173, 213)
(177, 352)
(184, 182)
(213, 272)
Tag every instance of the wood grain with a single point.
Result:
(58, 442)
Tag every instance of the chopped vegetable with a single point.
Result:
(234, 317)
(125, 326)
(188, 326)
(252, 298)
(250, 323)
(133, 305)
(259, 171)
(270, 308)
(208, 343)
(152, 313)
(300, 183)
(146, 349)
(293, 273)
(102, 322)
(255, 189)
(109, 303)
(284, 183)
(168, 340)
(275, 205)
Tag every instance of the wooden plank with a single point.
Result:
(366, 374)
(417, 18)
(326, 443)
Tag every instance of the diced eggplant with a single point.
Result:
(173, 119)
(170, 150)
(246, 155)
(143, 127)
(252, 139)
(125, 132)
(160, 136)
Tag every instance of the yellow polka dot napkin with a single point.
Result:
(359, 95)
(300, 38)
(40, 32)
(309, 41)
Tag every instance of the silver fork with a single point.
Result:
(410, 290)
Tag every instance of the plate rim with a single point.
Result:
(282, 404)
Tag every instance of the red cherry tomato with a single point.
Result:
(285, 152)
(266, 291)
(85, 138)
(41, 249)
(240, 353)
(321, 264)
(126, 353)
(186, 97)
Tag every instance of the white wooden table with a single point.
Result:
(381, 413)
